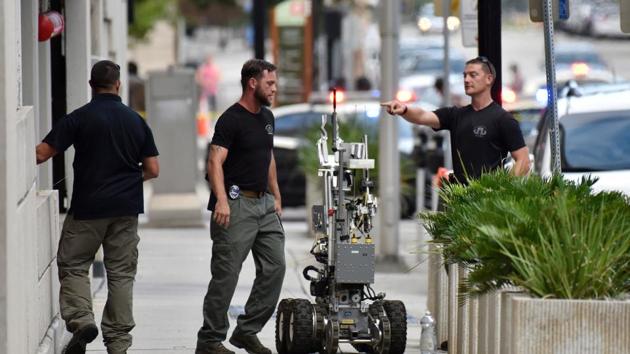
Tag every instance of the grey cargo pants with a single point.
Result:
(254, 226)
(80, 240)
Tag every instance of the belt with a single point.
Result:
(252, 194)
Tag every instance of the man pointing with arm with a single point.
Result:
(482, 133)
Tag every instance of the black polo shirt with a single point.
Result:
(248, 137)
(110, 141)
(480, 140)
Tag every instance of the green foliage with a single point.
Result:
(552, 237)
(147, 12)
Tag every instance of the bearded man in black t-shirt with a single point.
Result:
(246, 208)
(482, 133)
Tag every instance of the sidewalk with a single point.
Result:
(174, 270)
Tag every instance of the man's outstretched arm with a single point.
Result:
(415, 115)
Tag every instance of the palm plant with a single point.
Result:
(552, 237)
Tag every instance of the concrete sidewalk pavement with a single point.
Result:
(174, 271)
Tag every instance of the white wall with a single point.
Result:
(29, 216)
(8, 200)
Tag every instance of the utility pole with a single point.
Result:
(446, 80)
(552, 103)
(258, 19)
(490, 39)
(388, 156)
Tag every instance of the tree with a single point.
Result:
(216, 12)
(146, 13)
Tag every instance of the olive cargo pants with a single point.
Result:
(254, 226)
(80, 240)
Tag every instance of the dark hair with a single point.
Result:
(254, 68)
(104, 74)
(487, 66)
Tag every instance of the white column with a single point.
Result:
(78, 65)
(388, 155)
(44, 111)
(118, 16)
(8, 197)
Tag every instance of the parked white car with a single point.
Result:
(594, 139)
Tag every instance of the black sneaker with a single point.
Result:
(80, 338)
(251, 344)
(217, 348)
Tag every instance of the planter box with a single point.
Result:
(437, 297)
(537, 326)
(489, 321)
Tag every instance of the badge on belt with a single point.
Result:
(234, 192)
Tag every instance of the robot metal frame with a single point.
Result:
(346, 309)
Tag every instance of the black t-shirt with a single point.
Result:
(110, 141)
(248, 137)
(480, 140)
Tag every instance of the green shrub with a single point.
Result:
(552, 237)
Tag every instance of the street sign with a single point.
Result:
(560, 10)
(624, 12)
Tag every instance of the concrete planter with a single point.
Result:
(437, 297)
(545, 326)
(488, 321)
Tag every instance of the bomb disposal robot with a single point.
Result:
(346, 309)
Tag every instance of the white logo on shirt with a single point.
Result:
(480, 131)
(269, 129)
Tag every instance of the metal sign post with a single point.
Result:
(552, 104)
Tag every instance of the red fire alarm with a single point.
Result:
(50, 25)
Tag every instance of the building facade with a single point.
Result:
(39, 83)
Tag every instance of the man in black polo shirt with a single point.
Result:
(114, 153)
(482, 133)
(246, 208)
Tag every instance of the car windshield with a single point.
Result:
(596, 141)
(296, 124)
(420, 64)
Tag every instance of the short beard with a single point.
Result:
(261, 98)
